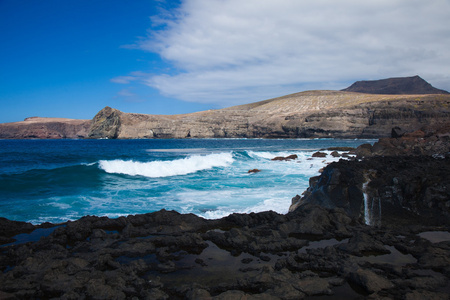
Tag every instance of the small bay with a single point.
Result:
(60, 180)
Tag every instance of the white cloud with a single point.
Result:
(126, 93)
(133, 76)
(234, 51)
(123, 79)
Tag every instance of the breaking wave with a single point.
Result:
(176, 167)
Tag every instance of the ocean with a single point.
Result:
(59, 180)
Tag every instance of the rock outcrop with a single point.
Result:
(106, 124)
(45, 128)
(313, 251)
(311, 114)
(396, 180)
(395, 86)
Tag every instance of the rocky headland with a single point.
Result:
(375, 226)
(45, 128)
(409, 103)
(311, 114)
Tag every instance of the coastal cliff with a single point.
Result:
(311, 114)
(45, 128)
(366, 109)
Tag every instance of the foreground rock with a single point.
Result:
(165, 255)
(395, 180)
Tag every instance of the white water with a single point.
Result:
(59, 180)
(372, 207)
(367, 219)
(156, 169)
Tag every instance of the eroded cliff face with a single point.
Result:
(312, 114)
(45, 128)
(106, 124)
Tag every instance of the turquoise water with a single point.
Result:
(60, 180)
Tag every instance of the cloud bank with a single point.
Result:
(232, 51)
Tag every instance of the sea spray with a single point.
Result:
(58, 180)
(176, 167)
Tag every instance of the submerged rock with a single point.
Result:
(287, 158)
(319, 154)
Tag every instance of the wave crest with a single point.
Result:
(155, 169)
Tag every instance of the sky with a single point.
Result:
(71, 58)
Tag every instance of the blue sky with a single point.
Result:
(71, 58)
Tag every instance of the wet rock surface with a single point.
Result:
(311, 252)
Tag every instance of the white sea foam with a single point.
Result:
(270, 155)
(155, 169)
(279, 205)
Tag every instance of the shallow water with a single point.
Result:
(435, 236)
(395, 258)
(33, 236)
(322, 244)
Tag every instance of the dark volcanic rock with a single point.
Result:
(409, 144)
(165, 255)
(322, 247)
(10, 228)
(395, 86)
(398, 189)
(289, 157)
(399, 180)
(319, 154)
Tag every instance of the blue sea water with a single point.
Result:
(60, 180)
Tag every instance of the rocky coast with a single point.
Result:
(367, 109)
(376, 226)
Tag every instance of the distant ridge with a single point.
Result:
(395, 86)
(407, 103)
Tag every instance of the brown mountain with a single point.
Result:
(311, 114)
(395, 86)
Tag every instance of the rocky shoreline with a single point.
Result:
(335, 243)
